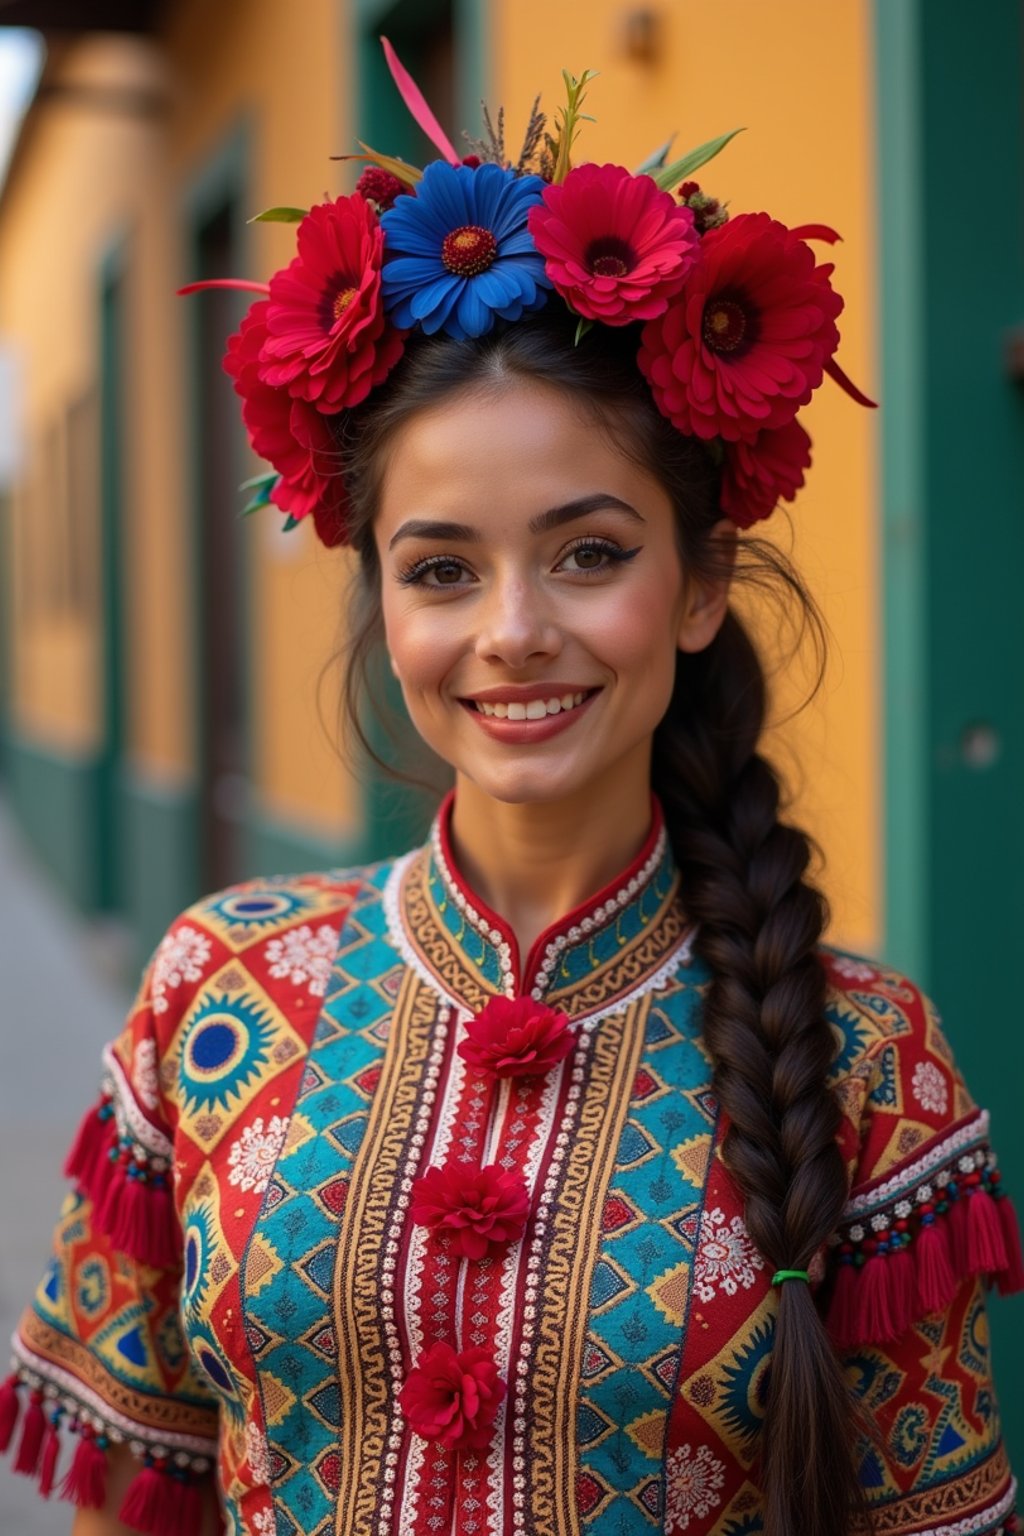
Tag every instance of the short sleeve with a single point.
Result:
(927, 1228)
(100, 1356)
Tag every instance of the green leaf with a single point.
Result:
(671, 175)
(583, 325)
(291, 522)
(265, 477)
(407, 173)
(279, 216)
(656, 160)
(568, 119)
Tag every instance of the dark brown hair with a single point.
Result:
(744, 871)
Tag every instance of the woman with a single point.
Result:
(554, 1177)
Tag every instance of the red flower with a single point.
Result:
(758, 474)
(616, 247)
(292, 436)
(745, 343)
(481, 1208)
(327, 339)
(453, 1398)
(381, 187)
(517, 1038)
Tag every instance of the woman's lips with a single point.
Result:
(522, 720)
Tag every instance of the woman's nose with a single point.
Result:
(516, 624)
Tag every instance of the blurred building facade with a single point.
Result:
(168, 724)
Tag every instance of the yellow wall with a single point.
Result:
(58, 219)
(797, 75)
(88, 180)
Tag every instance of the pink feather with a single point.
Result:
(241, 283)
(416, 102)
(816, 232)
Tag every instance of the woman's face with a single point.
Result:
(533, 594)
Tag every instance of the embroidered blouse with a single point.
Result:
(397, 1233)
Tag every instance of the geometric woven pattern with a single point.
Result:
(295, 1045)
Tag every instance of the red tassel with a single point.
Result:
(140, 1507)
(32, 1433)
(956, 1229)
(48, 1465)
(902, 1289)
(10, 1403)
(86, 1481)
(936, 1282)
(91, 1147)
(841, 1310)
(1010, 1279)
(873, 1314)
(140, 1222)
(158, 1503)
(107, 1193)
(986, 1250)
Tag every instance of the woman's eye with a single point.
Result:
(438, 572)
(590, 556)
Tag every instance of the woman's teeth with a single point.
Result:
(535, 710)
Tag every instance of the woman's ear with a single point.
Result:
(707, 600)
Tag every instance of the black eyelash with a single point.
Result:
(613, 551)
(412, 573)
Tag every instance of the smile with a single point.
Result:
(534, 709)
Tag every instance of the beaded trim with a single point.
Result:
(61, 1388)
(970, 1135)
(131, 1122)
(889, 1228)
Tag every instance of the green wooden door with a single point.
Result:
(951, 243)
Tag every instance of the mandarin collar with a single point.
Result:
(593, 959)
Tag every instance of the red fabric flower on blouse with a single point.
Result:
(616, 247)
(758, 474)
(480, 1208)
(327, 338)
(517, 1037)
(746, 342)
(453, 1397)
(292, 436)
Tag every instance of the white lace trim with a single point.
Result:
(681, 955)
(969, 1135)
(73, 1395)
(129, 1116)
(973, 1525)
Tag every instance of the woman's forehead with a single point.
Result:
(514, 452)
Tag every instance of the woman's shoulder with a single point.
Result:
(875, 1010)
(906, 1107)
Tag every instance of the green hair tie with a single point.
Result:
(790, 1274)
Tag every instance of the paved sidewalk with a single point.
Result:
(60, 1000)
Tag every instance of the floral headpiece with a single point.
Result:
(736, 318)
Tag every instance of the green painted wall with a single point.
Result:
(159, 863)
(951, 177)
(56, 798)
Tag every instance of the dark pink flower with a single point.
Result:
(758, 474)
(381, 187)
(453, 1397)
(517, 1037)
(616, 247)
(292, 436)
(745, 343)
(328, 340)
(481, 1209)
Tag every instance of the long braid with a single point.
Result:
(771, 1047)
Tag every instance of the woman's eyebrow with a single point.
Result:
(424, 528)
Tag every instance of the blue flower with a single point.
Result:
(458, 252)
